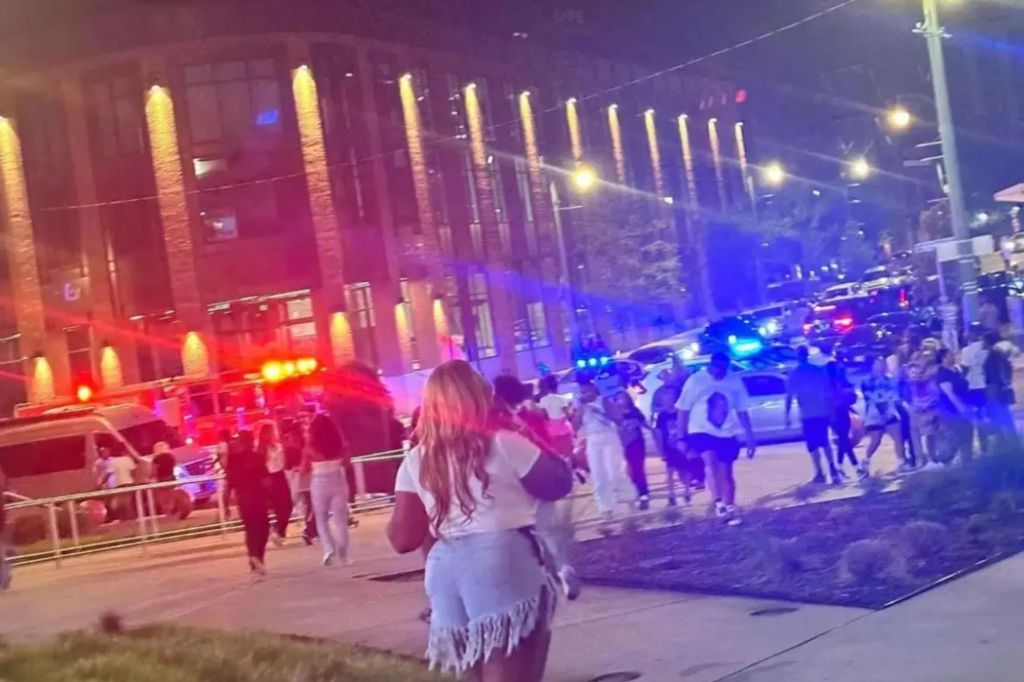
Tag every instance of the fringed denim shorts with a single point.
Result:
(488, 592)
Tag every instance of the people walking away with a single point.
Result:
(712, 417)
(271, 449)
(972, 359)
(294, 443)
(631, 424)
(811, 387)
(328, 489)
(470, 492)
(999, 395)
(954, 413)
(5, 563)
(666, 419)
(922, 403)
(881, 417)
(844, 397)
(603, 448)
(247, 476)
(949, 313)
(163, 462)
(556, 408)
(513, 412)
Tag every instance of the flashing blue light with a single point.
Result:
(605, 360)
(268, 117)
(592, 362)
(581, 364)
(745, 347)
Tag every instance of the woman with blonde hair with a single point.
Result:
(470, 491)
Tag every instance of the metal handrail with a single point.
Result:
(148, 526)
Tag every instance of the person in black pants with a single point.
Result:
(273, 453)
(247, 474)
(843, 398)
(631, 424)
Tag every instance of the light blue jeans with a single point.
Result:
(488, 592)
(5, 566)
(329, 495)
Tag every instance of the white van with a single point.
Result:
(55, 454)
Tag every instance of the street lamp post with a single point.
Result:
(933, 32)
(583, 178)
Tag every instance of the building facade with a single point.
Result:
(194, 189)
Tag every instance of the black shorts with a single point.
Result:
(816, 433)
(726, 450)
(882, 427)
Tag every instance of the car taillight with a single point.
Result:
(808, 328)
(843, 324)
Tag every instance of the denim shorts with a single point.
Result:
(488, 592)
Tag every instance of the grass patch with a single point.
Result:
(175, 654)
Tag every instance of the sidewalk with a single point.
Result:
(963, 631)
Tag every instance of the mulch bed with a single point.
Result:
(706, 556)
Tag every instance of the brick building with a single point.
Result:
(189, 188)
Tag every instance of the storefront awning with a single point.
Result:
(1012, 195)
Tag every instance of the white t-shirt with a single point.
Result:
(694, 399)
(120, 469)
(554, 405)
(595, 422)
(507, 505)
(973, 358)
(275, 458)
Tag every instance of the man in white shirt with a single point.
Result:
(973, 357)
(712, 415)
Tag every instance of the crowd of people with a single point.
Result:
(282, 466)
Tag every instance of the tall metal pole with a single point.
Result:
(563, 262)
(934, 34)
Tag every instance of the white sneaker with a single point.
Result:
(328, 559)
(721, 510)
(570, 581)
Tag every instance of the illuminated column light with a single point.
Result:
(443, 330)
(615, 131)
(418, 166)
(688, 172)
(174, 216)
(403, 328)
(534, 170)
(195, 355)
(41, 387)
(110, 368)
(478, 154)
(741, 153)
(326, 234)
(652, 144)
(572, 117)
(26, 294)
(716, 156)
(342, 345)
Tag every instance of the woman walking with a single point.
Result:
(270, 448)
(472, 491)
(954, 412)
(631, 423)
(328, 489)
(881, 416)
(247, 476)
(556, 408)
(603, 447)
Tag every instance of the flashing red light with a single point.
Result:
(843, 324)
(272, 371)
(808, 328)
(741, 96)
(83, 393)
(306, 365)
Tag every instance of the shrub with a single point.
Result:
(110, 623)
(865, 560)
(937, 490)
(978, 529)
(1003, 506)
(791, 554)
(924, 539)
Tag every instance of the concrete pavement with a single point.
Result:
(964, 631)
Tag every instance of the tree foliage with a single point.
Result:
(630, 255)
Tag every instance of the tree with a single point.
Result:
(630, 256)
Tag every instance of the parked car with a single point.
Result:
(862, 343)
(54, 454)
(736, 335)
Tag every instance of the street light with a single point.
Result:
(933, 32)
(898, 118)
(773, 175)
(584, 178)
(859, 169)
